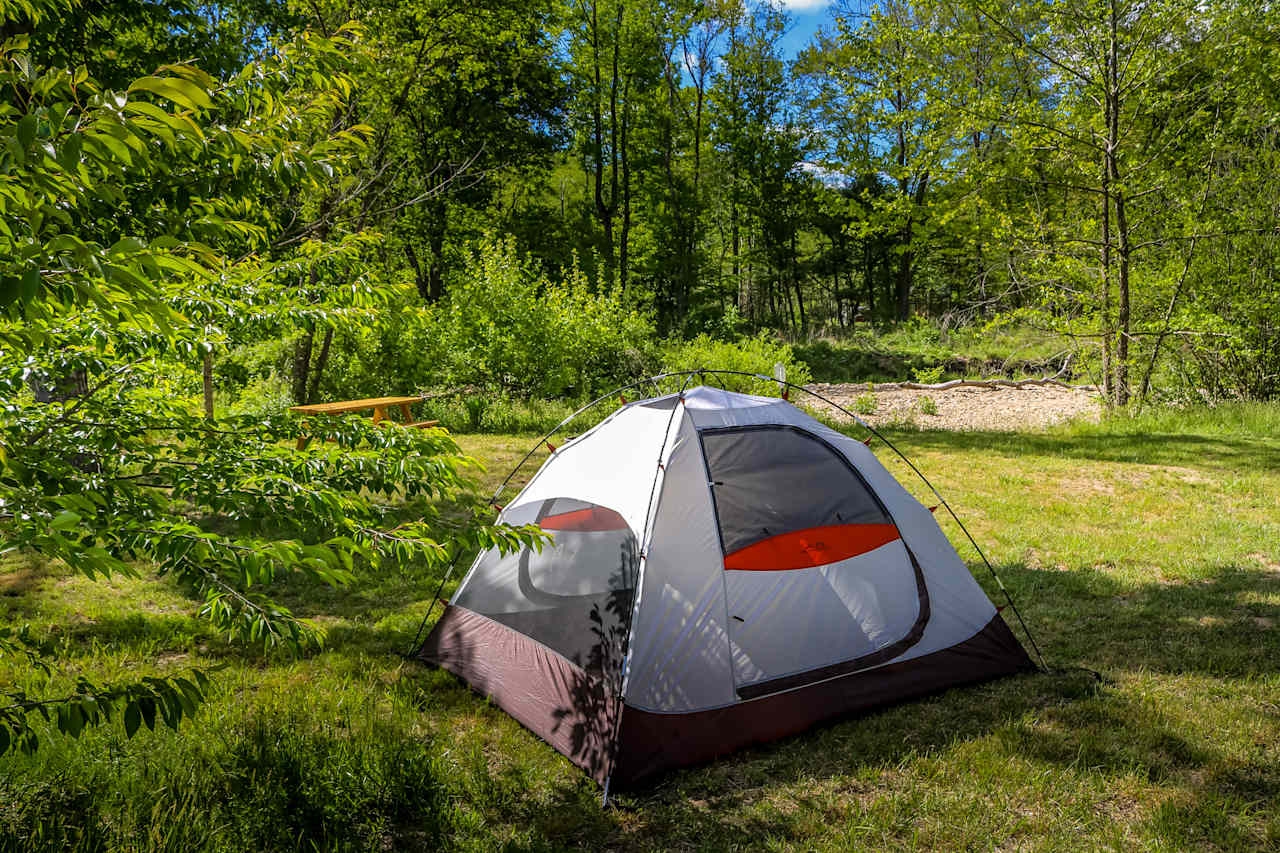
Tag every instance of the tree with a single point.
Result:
(1122, 103)
(614, 68)
(894, 122)
(757, 149)
(132, 226)
(119, 41)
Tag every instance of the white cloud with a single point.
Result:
(806, 5)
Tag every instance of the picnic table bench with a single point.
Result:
(380, 405)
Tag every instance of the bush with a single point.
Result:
(498, 413)
(400, 354)
(928, 375)
(748, 355)
(506, 324)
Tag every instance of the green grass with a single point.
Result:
(1146, 548)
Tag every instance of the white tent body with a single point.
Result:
(731, 561)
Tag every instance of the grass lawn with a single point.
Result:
(1148, 550)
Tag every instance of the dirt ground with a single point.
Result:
(1033, 407)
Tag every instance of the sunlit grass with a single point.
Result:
(1148, 549)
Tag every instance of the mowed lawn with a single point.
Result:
(1148, 550)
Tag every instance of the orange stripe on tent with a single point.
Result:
(813, 546)
(591, 518)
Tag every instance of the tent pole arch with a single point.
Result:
(689, 374)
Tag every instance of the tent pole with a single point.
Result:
(990, 568)
(494, 500)
(417, 638)
(615, 392)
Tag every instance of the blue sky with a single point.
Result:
(807, 17)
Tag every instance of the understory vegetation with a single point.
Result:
(1142, 548)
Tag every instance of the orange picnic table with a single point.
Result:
(378, 404)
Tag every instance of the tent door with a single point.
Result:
(818, 581)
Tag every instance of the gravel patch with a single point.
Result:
(1031, 408)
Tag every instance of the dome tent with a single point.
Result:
(724, 570)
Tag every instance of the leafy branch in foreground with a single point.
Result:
(171, 698)
(136, 228)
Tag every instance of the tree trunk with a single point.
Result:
(795, 282)
(207, 381)
(625, 236)
(302, 366)
(868, 279)
(745, 305)
(419, 274)
(603, 209)
(438, 225)
(318, 371)
(902, 284)
(1122, 222)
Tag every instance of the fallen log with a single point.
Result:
(978, 383)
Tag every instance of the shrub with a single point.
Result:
(928, 405)
(498, 413)
(506, 324)
(475, 407)
(865, 404)
(263, 395)
(929, 375)
(748, 355)
(279, 781)
(401, 353)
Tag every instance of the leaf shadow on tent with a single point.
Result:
(592, 715)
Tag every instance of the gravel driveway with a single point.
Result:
(1033, 407)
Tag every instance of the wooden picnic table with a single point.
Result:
(378, 404)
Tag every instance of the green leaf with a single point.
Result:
(31, 282)
(26, 130)
(75, 721)
(65, 519)
(115, 148)
(69, 155)
(126, 246)
(10, 290)
(132, 719)
(184, 93)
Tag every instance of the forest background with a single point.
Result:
(550, 190)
